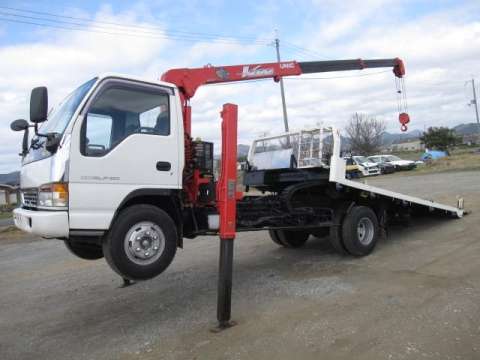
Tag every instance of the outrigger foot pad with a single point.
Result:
(224, 325)
(126, 283)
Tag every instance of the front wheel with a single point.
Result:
(289, 238)
(141, 243)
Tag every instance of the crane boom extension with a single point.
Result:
(189, 80)
(309, 67)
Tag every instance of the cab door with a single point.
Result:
(126, 139)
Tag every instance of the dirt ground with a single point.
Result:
(417, 296)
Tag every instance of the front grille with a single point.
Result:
(29, 198)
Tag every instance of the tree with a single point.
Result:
(439, 138)
(365, 133)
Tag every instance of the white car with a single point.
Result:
(399, 164)
(367, 167)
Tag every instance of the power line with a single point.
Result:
(73, 23)
(94, 29)
(306, 51)
(296, 53)
(143, 28)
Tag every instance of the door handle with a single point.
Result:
(164, 166)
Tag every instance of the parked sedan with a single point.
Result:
(352, 171)
(367, 167)
(383, 164)
(386, 168)
(398, 163)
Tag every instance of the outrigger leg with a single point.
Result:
(224, 297)
(227, 204)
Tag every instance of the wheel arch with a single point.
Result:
(166, 199)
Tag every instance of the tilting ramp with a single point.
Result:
(337, 175)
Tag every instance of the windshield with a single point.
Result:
(60, 116)
(360, 159)
(393, 158)
(57, 121)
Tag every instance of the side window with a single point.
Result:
(98, 134)
(156, 120)
(120, 111)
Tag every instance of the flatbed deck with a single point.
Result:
(337, 176)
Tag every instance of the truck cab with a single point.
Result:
(112, 141)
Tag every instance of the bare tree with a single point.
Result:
(365, 133)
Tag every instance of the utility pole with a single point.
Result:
(282, 90)
(475, 102)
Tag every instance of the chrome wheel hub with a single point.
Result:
(144, 243)
(365, 231)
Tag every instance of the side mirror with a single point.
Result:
(19, 125)
(38, 105)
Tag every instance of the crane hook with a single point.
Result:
(404, 119)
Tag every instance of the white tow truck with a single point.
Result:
(113, 172)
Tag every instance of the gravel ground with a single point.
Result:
(417, 296)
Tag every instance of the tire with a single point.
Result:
(289, 238)
(360, 231)
(141, 243)
(274, 236)
(335, 237)
(84, 250)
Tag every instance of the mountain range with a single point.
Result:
(465, 129)
(12, 178)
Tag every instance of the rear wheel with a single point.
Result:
(360, 231)
(289, 238)
(141, 243)
(274, 236)
(84, 250)
(335, 230)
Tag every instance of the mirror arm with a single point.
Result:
(24, 143)
(35, 126)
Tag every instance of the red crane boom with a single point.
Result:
(188, 80)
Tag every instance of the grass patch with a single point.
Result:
(5, 214)
(409, 155)
(461, 161)
(9, 229)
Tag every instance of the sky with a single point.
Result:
(438, 40)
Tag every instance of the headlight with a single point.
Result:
(53, 195)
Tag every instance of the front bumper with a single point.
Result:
(371, 172)
(48, 224)
(387, 170)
